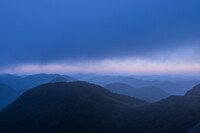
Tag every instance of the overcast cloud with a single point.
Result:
(58, 31)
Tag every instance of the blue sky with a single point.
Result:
(101, 36)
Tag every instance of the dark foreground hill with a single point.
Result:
(7, 95)
(150, 93)
(80, 107)
(75, 107)
(195, 91)
(176, 114)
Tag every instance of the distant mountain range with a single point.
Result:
(150, 94)
(173, 88)
(59, 79)
(12, 86)
(160, 89)
(27, 82)
(81, 107)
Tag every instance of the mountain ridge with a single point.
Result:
(73, 107)
(149, 93)
(81, 107)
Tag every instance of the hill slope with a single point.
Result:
(68, 107)
(176, 114)
(195, 91)
(80, 107)
(7, 95)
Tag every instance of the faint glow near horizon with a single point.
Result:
(183, 60)
(123, 66)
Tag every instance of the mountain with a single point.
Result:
(7, 95)
(59, 79)
(173, 88)
(172, 78)
(13, 81)
(150, 93)
(176, 114)
(74, 107)
(120, 88)
(30, 81)
(194, 91)
(195, 128)
(22, 83)
(80, 107)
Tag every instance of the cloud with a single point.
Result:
(171, 62)
(109, 66)
(48, 33)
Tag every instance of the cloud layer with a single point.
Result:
(43, 32)
(177, 62)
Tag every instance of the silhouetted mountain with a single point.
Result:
(80, 107)
(195, 128)
(176, 114)
(74, 107)
(7, 95)
(59, 79)
(174, 88)
(27, 82)
(21, 84)
(194, 91)
(150, 94)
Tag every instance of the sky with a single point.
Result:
(100, 36)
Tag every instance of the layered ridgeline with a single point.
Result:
(7, 95)
(21, 84)
(175, 114)
(69, 107)
(80, 107)
(30, 81)
(150, 94)
(59, 79)
(171, 87)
